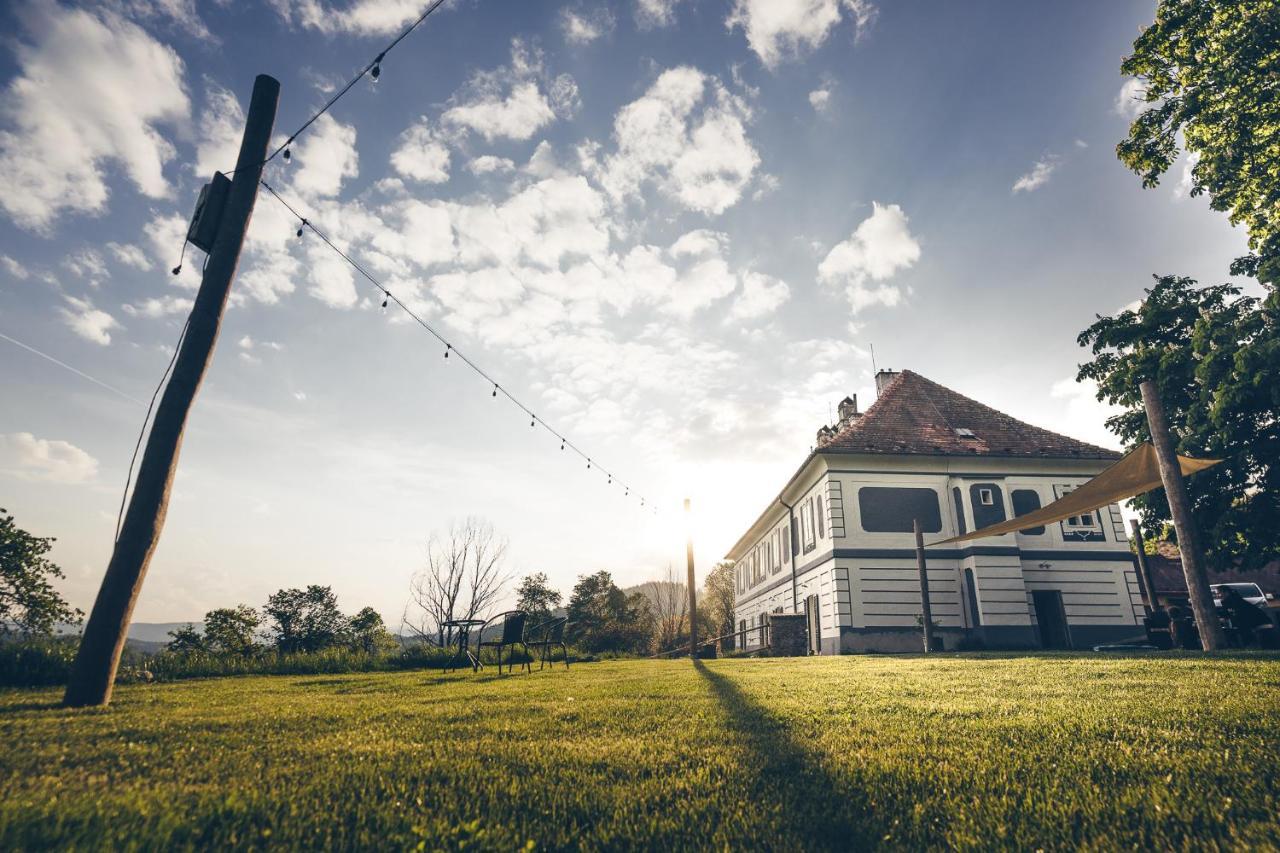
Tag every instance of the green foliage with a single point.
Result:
(366, 633)
(1209, 68)
(230, 630)
(537, 597)
(305, 620)
(185, 640)
(29, 605)
(978, 752)
(604, 618)
(718, 599)
(37, 662)
(1215, 357)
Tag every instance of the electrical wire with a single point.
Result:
(388, 296)
(74, 370)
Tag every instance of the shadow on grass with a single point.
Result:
(29, 706)
(818, 810)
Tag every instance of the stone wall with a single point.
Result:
(788, 635)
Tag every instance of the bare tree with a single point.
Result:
(670, 600)
(462, 579)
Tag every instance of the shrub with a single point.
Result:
(38, 662)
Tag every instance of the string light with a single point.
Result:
(376, 71)
(288, 155)
(388, 298)
(304, 225)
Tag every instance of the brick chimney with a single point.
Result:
(847, 409)
(883, 378)
(825, 434)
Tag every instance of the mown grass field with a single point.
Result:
(819, 753)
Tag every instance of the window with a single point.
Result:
(986, 498)
(958, 498)
(1025, 501)
(986, 513)
(787, 545)
(822, 533)
(964, 432)
(1086, 527)
(806, 526)
(892, 510)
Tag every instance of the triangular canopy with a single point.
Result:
(1136, 473)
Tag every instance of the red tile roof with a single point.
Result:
(914, 415)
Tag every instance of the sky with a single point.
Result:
(675, 229)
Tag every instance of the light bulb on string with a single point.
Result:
(177, 269)
(531, 422)
(447, 347)
(562, 444)
(610, 483)
(495, 390)
(300, 227)
(376, 71)
(287, 154)
(588, 464)
(386, 297)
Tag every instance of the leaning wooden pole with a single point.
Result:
(1211, 635)
(693, 590)
(1145, 584)
(94, 671)
(926, 608)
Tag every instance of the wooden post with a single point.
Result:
(693, 592)
(1211, 635)
(1146, 586)
(927, 610)
(93, 674)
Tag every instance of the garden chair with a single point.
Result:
(546, 636)
(512, 635)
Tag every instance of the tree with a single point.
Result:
(536, 597)
(718, 601)
(669, 602)
(29, 605)
(305, 620)
(464, 576)
(1208, 69)
(368, 634)
(230, 630)
(1215, 357)
(185, 640)
(604, 618)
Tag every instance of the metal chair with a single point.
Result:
(549, 634)
(512, 635)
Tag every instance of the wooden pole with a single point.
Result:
(1211, 635)
(927, 610)
(94, 671)
(693, 591)
(1145, 585)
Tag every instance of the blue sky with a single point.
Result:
(674, 229)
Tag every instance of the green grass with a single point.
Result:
(968, 752)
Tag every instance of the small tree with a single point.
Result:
(230, 630)
(185, 640)
(305, 620)
(29, 605)
(536, 597)
(604, 618)
(718, 600)
(368, 634)
(463, 578)
(668, 599)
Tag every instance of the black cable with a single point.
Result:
(305, 222)
(147, 417)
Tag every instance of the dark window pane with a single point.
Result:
(889, 510)
(985, 516)
(1025, 501)
(959, 502)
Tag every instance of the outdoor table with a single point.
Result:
(464, 627)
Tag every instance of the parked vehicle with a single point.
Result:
(1251, 593)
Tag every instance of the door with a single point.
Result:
(1051, 618)
(813, 621)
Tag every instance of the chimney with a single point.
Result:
(883, 378)
(824, 435)
(847, 409)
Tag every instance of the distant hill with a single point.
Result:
(144, 632)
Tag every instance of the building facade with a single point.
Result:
(838, 545)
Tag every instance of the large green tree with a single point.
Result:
(29, 605)
(231, 630)
(305, 620)
(1209, 71)
(603, 617)
(1215, 357)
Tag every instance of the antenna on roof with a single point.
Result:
(873, 360)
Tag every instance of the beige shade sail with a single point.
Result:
(1136, 473)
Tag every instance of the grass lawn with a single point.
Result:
(1017, 752)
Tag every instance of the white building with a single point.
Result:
(837, 542)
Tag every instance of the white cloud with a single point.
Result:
(165, 234)
(1131, 99)
(583, 26)
(362, 17)
(488, 163)
(181, 13)
(761, 295)
(156, 307)
(507, 102)
(1084, 416)
(1187, 181)
(88, 322)
(783, 29)
(1080, 143)
(655, 13)
(879, 247)
(326, 156)
(820, 100)
(26, 457)
(1038, 176)
(13, 268)
(90, 92)
(687, 135)
(331, 279)
(221, 129)
(87, 263)
(421, 155)
(130, 255)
